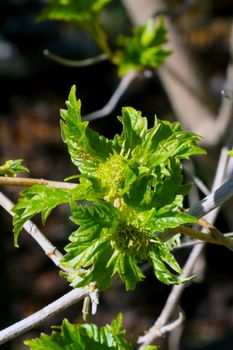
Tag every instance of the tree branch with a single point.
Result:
(20, 181)
(109, 107)
(75, 63)
(38, 317)
(161, 331)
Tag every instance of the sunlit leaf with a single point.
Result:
(83, 337)
(12, 168)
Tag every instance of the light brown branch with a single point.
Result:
(20, 181)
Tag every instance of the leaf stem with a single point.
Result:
(75, 63)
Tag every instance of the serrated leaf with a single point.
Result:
(134, 128)
(90, 246)
(37, 199)
(144, 48)
(86, 147)
(167, 218)
(163, 274)
(12, 168)
(78, 11)
(129, 271)
(83, 337)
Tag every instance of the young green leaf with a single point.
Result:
(144, 49)
(78, 11)
(86, 147)
(12, 168)
(83, 13)
(83, 337)
(37, 199)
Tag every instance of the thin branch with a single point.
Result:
(221, 239)
(214, 200)
(38, 317)
(176, 11)
(109, 107)
(20, 181)
(188, 231)
(195, 242)
(197, 181)
(50, 250)
(161, 331)
(75, 63)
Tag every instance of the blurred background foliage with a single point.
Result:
(33, 89)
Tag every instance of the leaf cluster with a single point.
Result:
(12, 168)
(81, 12)
(84, 337)
(133, 188)
(136, 191)
(143, 49)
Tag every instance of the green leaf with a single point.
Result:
(86, 147)
(37, 199)
(12, 168)
(144, 49)
(150, 347)
(129, 271)
(90, 247)
(78, 11)
(83, 337)
(134, 128)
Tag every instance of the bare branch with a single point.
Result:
(20, 181)
(75, 63)
(37, 318)
(50, 250)
(109, 107)
(177, 10)
(214, 200)
(200, 184)
(192, 243)
(160, 331)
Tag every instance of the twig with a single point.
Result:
(50, 250)
(228, 242)
(205, 237)
(214, 200)
(109, 107)
(160, 331)
(75, 63)
(176, 11)
(38, 317)
(195, 242)
(198, 182)
(20, 181)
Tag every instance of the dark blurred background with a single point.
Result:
(33, 89)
